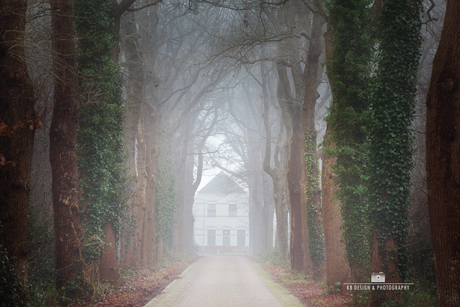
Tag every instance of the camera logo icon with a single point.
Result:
(378, 277)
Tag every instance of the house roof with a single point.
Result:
(221, 184)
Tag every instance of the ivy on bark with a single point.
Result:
(100, 134)
(390, 139)
(349, 74)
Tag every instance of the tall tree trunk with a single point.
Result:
(277, 175)
(184, 181)
(269, 210)
(17, 124)
(284, 94)
(311, 198)
(63, 149)
(141, 187)
(442, 158)
(337, 268)
(108, 268)
(149, 126)
(272, 177)
(281, 211)
(294, 177)
(257, 206)
(292, 116)
(390, 153)
(344, 131)
(134, 92)
(137, 93)
(189, 221)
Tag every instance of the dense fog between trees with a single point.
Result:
(114, 114)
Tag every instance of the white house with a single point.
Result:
(221, 213)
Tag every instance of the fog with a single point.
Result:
(209, 129)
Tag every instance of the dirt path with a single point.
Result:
(224, 281)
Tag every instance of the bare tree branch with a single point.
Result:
(246, 7)
(144, 6)
(121, 8)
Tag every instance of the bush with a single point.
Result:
(11, 293)
(274, 258)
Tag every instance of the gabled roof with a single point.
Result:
(221, 184)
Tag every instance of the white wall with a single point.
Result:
(222, 220)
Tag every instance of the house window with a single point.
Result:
(241, 238)
(226, 237)
(232, 210)
(211, 209)
(211, 237)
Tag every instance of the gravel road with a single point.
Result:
(224, 281)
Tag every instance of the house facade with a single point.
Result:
(221, 214)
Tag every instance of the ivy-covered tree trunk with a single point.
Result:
(100, 134)
(348, 57)
(17, 128)
(443, 160)
(390, 158)
(63, 145)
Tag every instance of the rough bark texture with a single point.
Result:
(184, 241)
(337, 267)
(131, 122)
(281, 211)
(139, 204)
(291, 113)
(118, 10)
(309, 180)
(17, 128)
(145, 196)
(336, 257)
(63, 150)
(259, 209)
(108, 269)
(148, 245)
(184, 179)
(443, 158)
(134, 253)
(294, 176)
(391, 272)
(277, 174)
(388, 183)
(140, 122)
(269, 210)
(189, 193)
